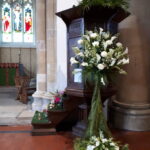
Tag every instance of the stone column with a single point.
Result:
(130, 109)
(41, 52)
(51, 44)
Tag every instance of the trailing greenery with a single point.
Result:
(86, 4)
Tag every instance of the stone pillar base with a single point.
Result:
(37, 104)
(128, 116)
(37, 101)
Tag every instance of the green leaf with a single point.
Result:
(86, 4)
(125, 147)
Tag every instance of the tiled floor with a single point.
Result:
(19, 138)
(136, 140)
(13, 112)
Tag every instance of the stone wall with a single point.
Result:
(131, 108)
(135, 33)
(27, 58)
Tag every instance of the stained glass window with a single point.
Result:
(6, 23)
(17, 23)
(28, 23)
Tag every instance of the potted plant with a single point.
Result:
(40, 120)
(56, 108)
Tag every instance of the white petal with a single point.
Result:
(100, 66)
(104, 54)
(119, 44)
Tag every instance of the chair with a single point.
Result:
(21, 82)
(27, 91)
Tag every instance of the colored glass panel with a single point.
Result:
(28, 23)
(6, 23)
(17, 21)
(17, 24)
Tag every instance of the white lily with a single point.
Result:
(84, 64)
(104, 54)
(119, 44)
(100, 66)
(113, 38)
(107, 43)
(73, 61)
(116, 147)
(86, 37)
(97, 143)
(101, 30)
(80, 41)
(113, 62)
(95, 43)
(90, 147)
(112, 144)
(106, 35)
(98, 57)
(93, 35)
(80, 54)
(126, 51)
(104, 140)
(125, 61)
(103, 82)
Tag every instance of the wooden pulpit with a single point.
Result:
(77, 22)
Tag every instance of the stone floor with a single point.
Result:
(12, 111)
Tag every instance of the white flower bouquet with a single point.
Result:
(101, 143)
(100, 53)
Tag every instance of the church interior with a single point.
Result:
(74, 72)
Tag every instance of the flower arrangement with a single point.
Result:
(57, 101)
(100, 143)
(99, 55)
(86, 4)
(40, 117)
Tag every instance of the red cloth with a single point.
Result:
(9, 65)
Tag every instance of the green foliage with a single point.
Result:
(80, 144)
(55, 106)
(57, 103)
(125, 147)
(86, 4)
(40, 117)
(100, 55)
(96, 120)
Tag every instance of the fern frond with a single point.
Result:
(86, 4)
